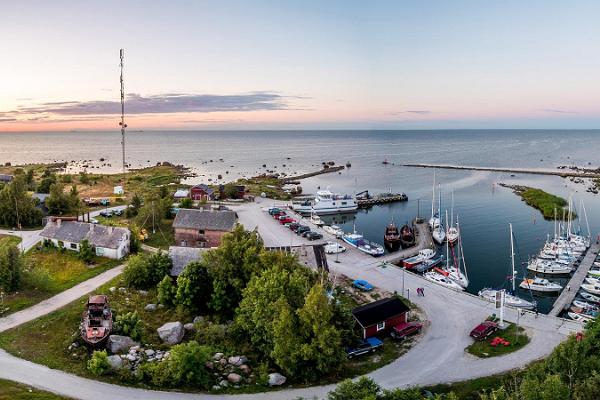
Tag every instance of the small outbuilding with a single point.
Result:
(202, 192)
(6, 178)
(181, 194)
(381, 316)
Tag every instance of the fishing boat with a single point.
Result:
(579, 317)
(391, 237)
(327, 202)
(439, 276)
(593, 289)
(548, 267)
(428, 264)
(537, 284)
(358, 241)
(407, 236)
(334, 230)
(589, 297)
(423, 255)
(510, 298)
(96, 321)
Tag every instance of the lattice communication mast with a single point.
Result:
(122, 123)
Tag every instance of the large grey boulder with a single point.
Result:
(171, 332)
(115, 362)
(234, 378)
(276, 379)
(118, 344)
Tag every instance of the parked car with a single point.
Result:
(298, 227)
(286, 219)
(369, 345)
(118, 213)
(279, 214)
(105, 214)
(274, 210)
(363, 285)
(314, 236)
(483, 330)
(293, 225)
(301, 229)
(306, 233)
(333, 248)
(406, 329)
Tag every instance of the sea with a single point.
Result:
(484, 208)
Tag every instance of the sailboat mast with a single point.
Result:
(447, 249)
(587, 223)
(512, 257)
(433, 195)
(460, 247)
(122, 123)
(452, 211)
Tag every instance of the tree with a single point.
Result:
(186, 203)
(98, 363)
(134, 206)
(194, 287)
(552, 388)
(362, 389)
(589, 388)
(166, 291)
(86, 253)
(61, 203)
(17, 208)
(11, 266)
(154, 210)
(48, 179)
(231, 266)
(144, 272)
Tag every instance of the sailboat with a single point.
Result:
(439, 233)
(452, 234)
(434, 221)
(510, 299)
(455, 273)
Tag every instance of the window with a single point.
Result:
(201, 231)
(74, 246)
(380, 326)
(344, 203)
(99, 251)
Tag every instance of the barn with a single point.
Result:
(381, 316)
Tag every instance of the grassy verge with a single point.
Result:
(9, 240)
(49, 272)
(15, 391)
(517, 339)
(545, 202)
(470, 390)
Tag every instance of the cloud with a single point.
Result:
(211, 121)
(420, 112)
(165, 104)
(551, 110)
(8, 119)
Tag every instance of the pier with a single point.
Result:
(311, 174)
(540, 171)
(567, 296)
(383, 198)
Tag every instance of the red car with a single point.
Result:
(406, 329)
(286, 219)
(279, 214)
(483, 330)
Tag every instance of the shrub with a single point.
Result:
(194, 287)
(166, 291)
(98, 364)
(144, 272)
(11, 266)
(38, 278)
(86, 253)
(130, 324)
(186, 203)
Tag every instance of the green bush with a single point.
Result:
(86, 253)
(186, 203)
(166, 291)
(38, 278)
(146, 271)
(98, 364)
(11, 267)
(130, 324)
(194, 287)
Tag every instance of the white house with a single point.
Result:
(107, 241)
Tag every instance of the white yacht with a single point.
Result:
(548, 267)
(334, 230)
(590, 288)
(580, 317)
(509, 299)
(442, 280)
(540, 285)
(327, 202)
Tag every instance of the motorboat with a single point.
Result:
(585, 305)
(96, 321)
(589, 297)
(594, 272)
(441, 279)
(592, 281)
(334, 230)
(391, 237)
(428, 264)
(548, 267)
(315, 219)
(540, 285)
(358, 241)
(407, 236)
(580, 317)
(590, 288)
(334, 248)
(327, 202)
(583, 311)
(423, 255)
(509, 299)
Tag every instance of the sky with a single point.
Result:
(300, 64)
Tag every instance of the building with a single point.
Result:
(6, 178)
(107, 241)
(182, 256)
(181, 194)
(202, 192)
(202, 228)
(381, 316)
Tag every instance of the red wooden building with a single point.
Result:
(201, 192)
(381, 316)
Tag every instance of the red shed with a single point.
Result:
(380, 316)
(201, 192)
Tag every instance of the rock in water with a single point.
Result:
(119, 344)
(276, 379)
(171, 332)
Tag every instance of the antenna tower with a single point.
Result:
(122, 123)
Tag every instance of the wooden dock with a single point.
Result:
(568, 295)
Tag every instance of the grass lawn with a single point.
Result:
(163, 237)
(484, 349)
(9, 240)
(49, 272)
(15, 391)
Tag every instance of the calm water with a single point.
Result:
(484, 208)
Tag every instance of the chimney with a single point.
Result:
(58, 221)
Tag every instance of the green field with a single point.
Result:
(15, 391)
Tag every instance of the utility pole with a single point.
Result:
(122, 123)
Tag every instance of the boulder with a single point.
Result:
(171, 332)
(276, 379)
(235, 360)
(149, 352)
(118, 344)
(218, 356)
(150, 307)
(234, 378)
(115, 362)
(197, 319)
(189, 327)
(245, 369)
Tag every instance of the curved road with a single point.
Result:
(439, 357)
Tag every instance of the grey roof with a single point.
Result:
(205, 219)
(6, 178)
(182, 256)
(40, 196)
(204, 187)
(97, 235)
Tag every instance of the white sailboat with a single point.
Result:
(455, 273)
(442, 280)
(548, 267)
(434, 221)
(452, 234)
(509, 299)
(439, 233)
